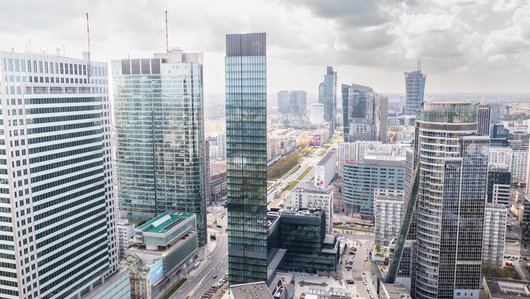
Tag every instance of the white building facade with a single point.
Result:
(325, 170)
(495, 219)
(57, 218)
(389, 210)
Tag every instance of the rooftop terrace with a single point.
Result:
(164, 222)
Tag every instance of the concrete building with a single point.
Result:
(326, 170)
(160, 135)
(361, 179)
(125, 233)
(327, 95)
(307, 196)
(519, 165)
(250, 290)
(57, 204)
(356, 151)
(414, 90)
(163, 247)
(246, 150)
(389, 210)
(504, 288)
(281, 142)
(316, 116)
(495, 220)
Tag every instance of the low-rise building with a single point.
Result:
(389, 210)
(308, 196)
(495, 219)
(503, 288)
(125, 233)
(300, 236)
(326, 170)
(116, 286)
(162, 249)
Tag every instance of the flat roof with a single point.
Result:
(326, 157)
(164, 222)
(506, 288)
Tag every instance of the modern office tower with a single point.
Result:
(316, 116)
(298, 103)
(207, 185)
(160, 136)
(448, 197)
(414, 89)
(221, 146)
(57, 224)
(525, 227)
(484, 120)
(356, 151)
(389, 209)
(246, 150)
(495, 113)
(283, 101)
(327, 95)
(495, 220)
(361, 179)
(364, 114)
(308, 196)
(499, 184)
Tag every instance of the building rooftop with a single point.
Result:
(164, 222)
(326, 157)
(254, 290)
(506, 288)
(308, 187)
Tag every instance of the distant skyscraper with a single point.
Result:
(283, 102)
(449, 197)
(246, 150)
(57, 225)
(364, 114)
(484, 120)
(160, 136)
(327, 95)
(298, 103)
(415, 89)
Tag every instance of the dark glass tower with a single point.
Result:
(246, 150)
(327, 95)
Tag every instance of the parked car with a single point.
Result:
(350, 281)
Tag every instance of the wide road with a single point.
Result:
(361, 268)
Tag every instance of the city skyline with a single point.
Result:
(465, 46)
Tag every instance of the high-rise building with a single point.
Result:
(327, 95)
(495, 220)
(389, 210)
(246, 150)
(448, 194)
(414, 89)
(519, 165)
(375, 172)
(160, 136)
(316, 116)
(283, 102)
(499, 184)
(308, 196)
(364, 114)
(57, 218)
(484, 120)
(298, 103)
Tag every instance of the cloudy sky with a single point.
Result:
(465, 45)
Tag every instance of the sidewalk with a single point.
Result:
(204, 253)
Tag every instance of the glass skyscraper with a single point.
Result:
(327, 95)
(57, 226)
(160, 136)
(449, 196)
(414, 90)
(246, 150)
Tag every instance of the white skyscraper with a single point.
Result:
(57, 225)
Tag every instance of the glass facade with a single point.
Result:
(160, 136)
(327, 95)
(246, 149)
(414, 89)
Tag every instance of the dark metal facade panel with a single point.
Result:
(249, 44)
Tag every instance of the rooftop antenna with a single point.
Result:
(167, 44)
(88, 41)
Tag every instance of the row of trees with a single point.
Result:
(281, 167)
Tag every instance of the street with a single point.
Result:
(361, 269)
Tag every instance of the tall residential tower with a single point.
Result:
(57, 225)
(160, 136)
(246, 151)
